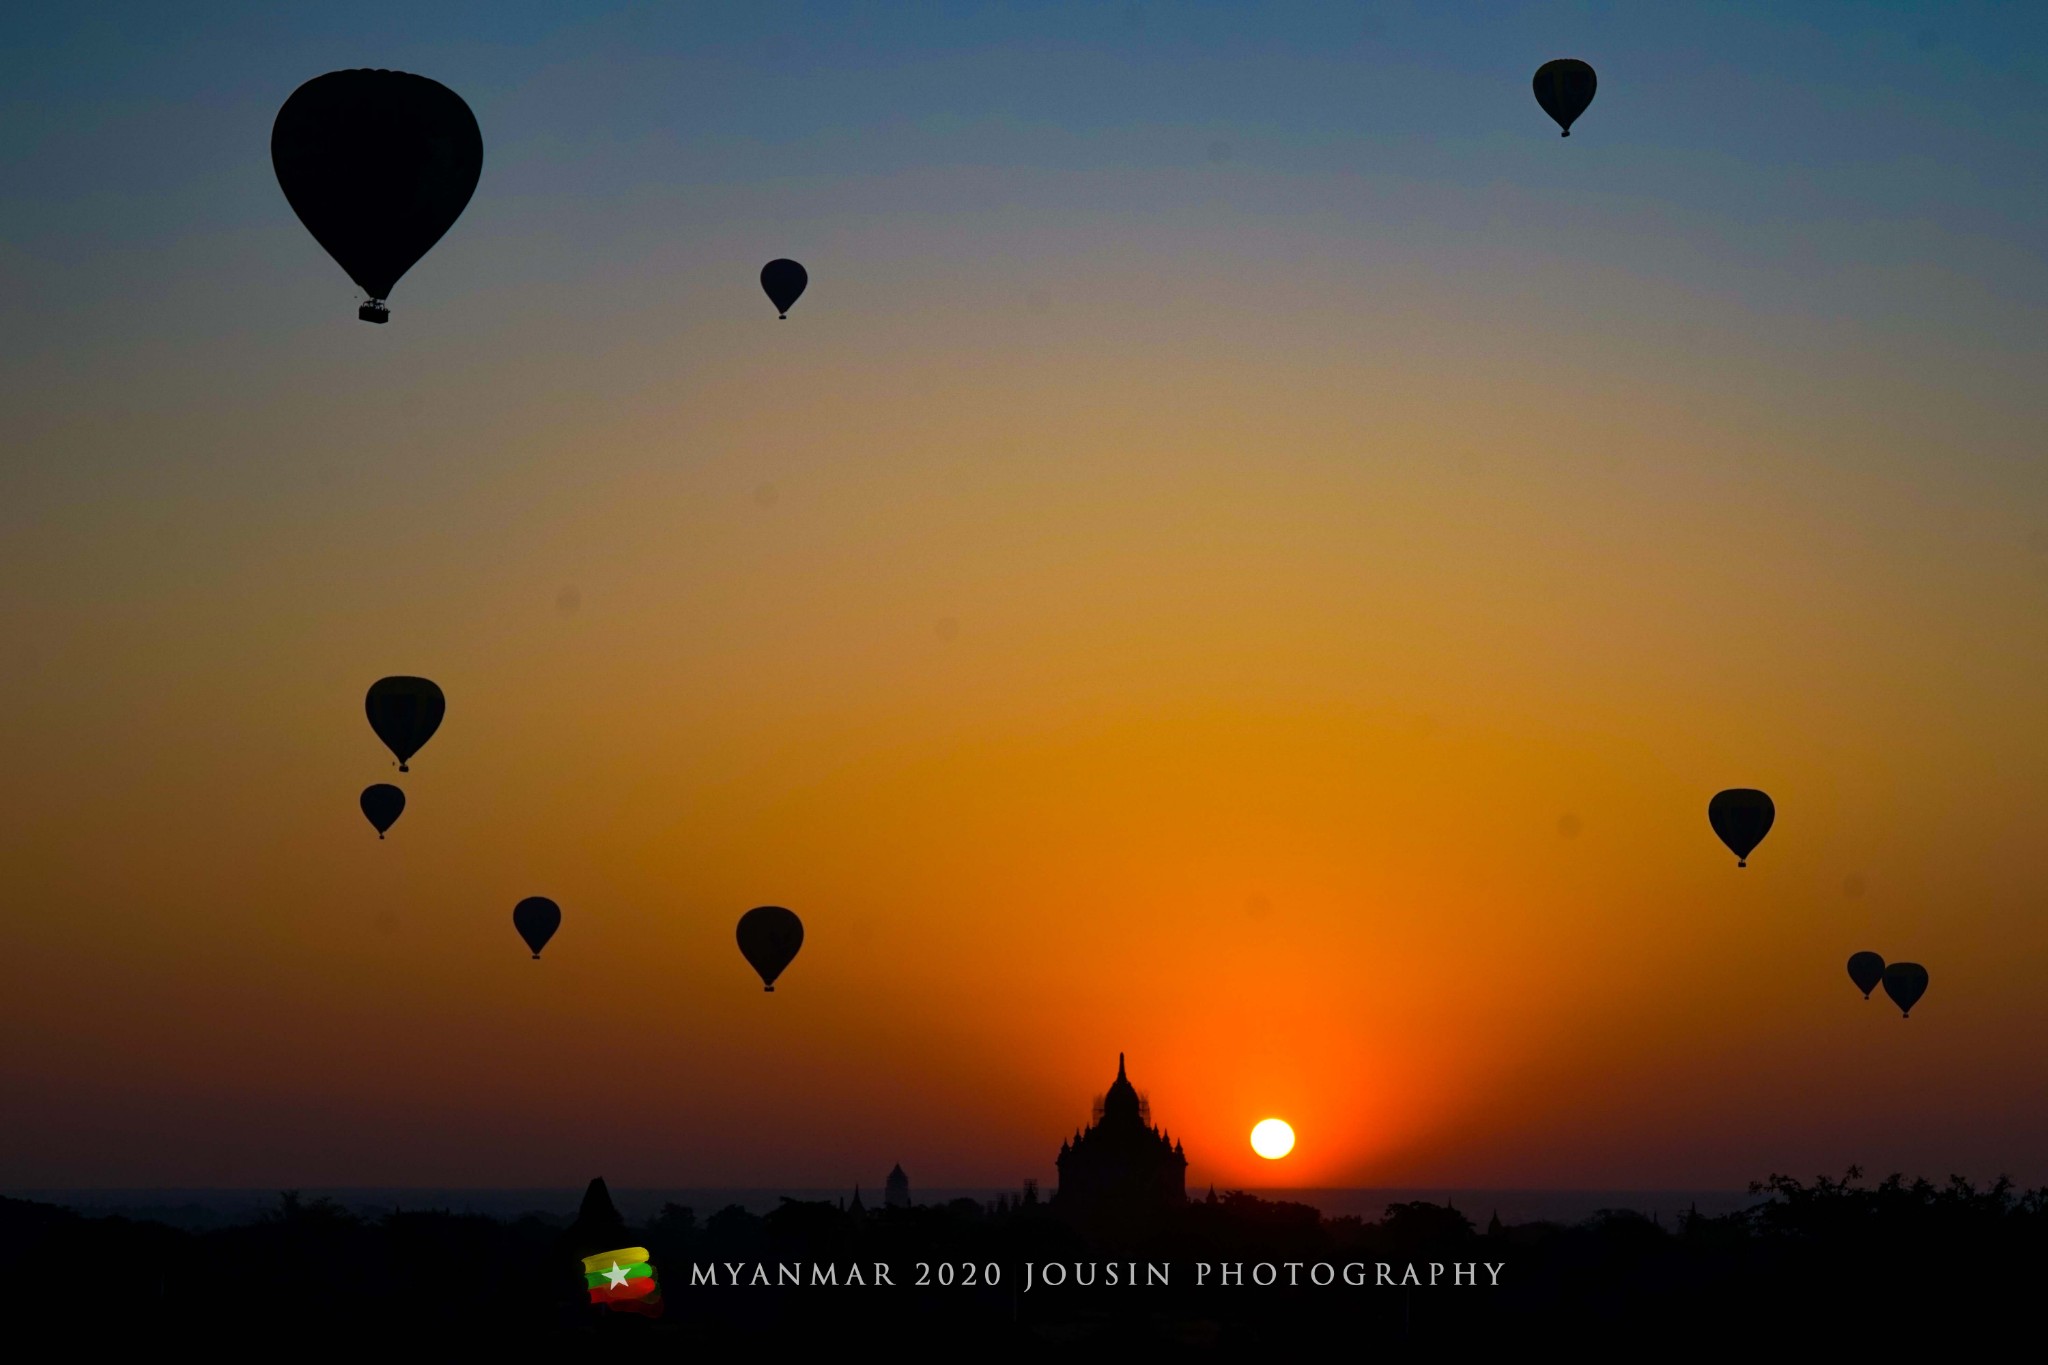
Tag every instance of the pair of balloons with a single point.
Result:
(405, 713)
(1904, 982)
(769, 936)
(379, 164)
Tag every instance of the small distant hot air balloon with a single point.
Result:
(378, 165)
(1866, 970)
(536, 918)
(404, 712)
(1564, 88)
(382, 805)
(1905, 983)
(784, 280)
(769, 937)
(1742, 818)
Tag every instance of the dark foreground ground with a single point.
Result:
(1834, 1265)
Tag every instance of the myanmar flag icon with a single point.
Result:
(623, 1280)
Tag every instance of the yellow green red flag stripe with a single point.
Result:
(622, 1279)
(625, 1256)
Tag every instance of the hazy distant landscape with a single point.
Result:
(199, 1210)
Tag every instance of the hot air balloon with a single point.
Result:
(1905, 983)
(769, 937)
(382, 805)
(1742, 818)
(536, 918)
(378, 165)
(1564, 88)
(1866, 970)
(784, 280)
(404, 712)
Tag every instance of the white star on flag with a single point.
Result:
(615, 1275)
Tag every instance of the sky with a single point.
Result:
(1253, 553)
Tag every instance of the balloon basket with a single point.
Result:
(374, 311)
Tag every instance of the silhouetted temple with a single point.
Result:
(1120, 1168)
(598, 1226)
(896, 1192)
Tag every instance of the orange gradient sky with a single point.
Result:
(1278, 615)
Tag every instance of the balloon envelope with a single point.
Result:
(378, 165)
(769, 937)
(382, 805)
(1905, 983)
(1564, 88)
(1742, 818)
(404, 712)
(784, 280)
(536, 918)
(1866, 970)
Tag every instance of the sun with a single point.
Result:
(1272, 1138)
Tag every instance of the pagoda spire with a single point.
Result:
(1121, 1107)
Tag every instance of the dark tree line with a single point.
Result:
(1904, 1262)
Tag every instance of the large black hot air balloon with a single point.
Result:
(378, 165)
(1905, 983)
(536, 918)
(382, 805)
(784, 280)
(769, 937)
(1564, 88)
(404, 712)
(1742, 818)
